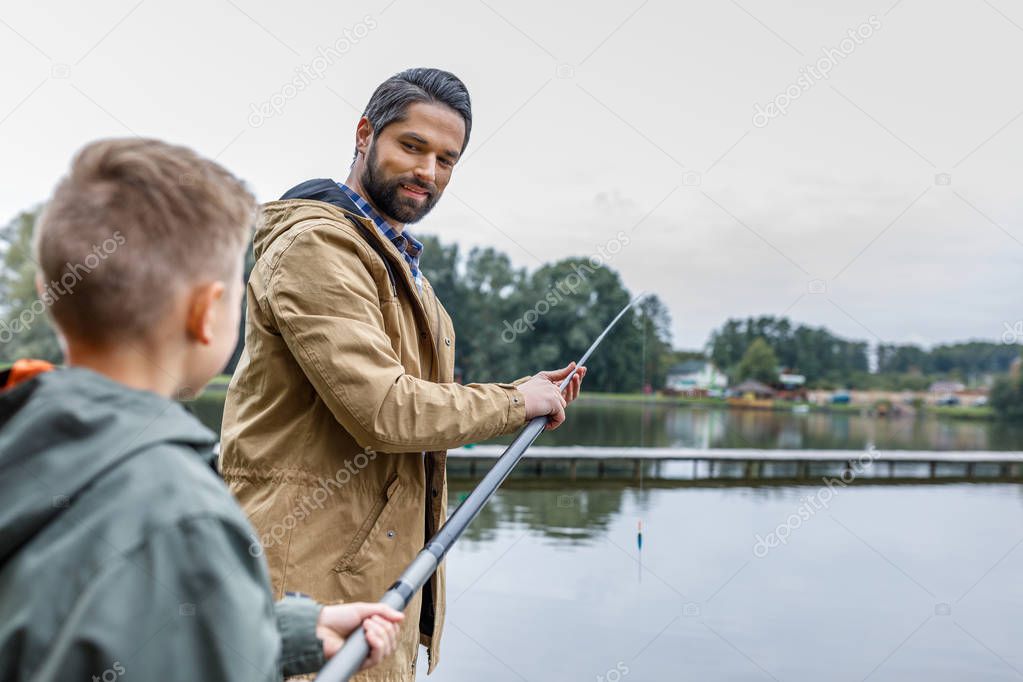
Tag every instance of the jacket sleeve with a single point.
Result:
(191, 603)
(301, 649)
(324, 300)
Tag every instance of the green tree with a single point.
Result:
(25, 329)
(654, 322)
(758, 362)
(967, 361)
(511, 322)
(564, 306)
(814, 352)
(1007, 397)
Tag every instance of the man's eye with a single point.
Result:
(408, 146)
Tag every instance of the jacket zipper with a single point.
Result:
(382, 251)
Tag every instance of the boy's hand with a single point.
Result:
(543, 397)
(378, 620)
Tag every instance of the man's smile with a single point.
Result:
(415, 191)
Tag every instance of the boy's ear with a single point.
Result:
(202, 311)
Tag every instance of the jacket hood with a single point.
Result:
(303, 202)
(63, 430)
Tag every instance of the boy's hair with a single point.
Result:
(134, 223)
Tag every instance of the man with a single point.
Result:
(343, 405)
(121, 551)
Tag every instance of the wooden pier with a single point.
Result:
(740, 466)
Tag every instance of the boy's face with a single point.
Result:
(215, 339)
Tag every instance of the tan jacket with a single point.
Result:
(340, 412)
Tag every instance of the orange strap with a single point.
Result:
(23, 370)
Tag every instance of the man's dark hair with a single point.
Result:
(392, 98)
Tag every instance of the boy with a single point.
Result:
(121, 551)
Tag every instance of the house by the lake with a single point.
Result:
(696, 378)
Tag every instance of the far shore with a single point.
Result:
(950, 411)
(219, 386)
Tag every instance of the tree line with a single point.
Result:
(829, 361)
(815, 353)
(510, 322)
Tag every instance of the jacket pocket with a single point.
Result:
(359, 544)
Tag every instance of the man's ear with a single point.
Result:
(202, 311)
(363, 136)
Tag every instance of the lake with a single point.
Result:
(886, 583)
(883, 582)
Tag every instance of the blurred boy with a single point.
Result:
(121, 551)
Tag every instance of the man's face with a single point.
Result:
(409, 163)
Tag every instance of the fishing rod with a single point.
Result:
(349, 659)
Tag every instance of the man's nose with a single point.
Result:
(426, 170)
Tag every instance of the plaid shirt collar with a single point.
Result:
(408, 246)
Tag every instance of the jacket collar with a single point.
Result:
(328, 192)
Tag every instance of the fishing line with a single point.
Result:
(642, 443)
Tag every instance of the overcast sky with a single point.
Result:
(885, 203)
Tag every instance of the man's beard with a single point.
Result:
(385, 194)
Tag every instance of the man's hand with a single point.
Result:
(543, 398)
(378, 620)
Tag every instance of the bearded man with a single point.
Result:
(344, 404)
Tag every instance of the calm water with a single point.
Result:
(883, 583)
(886, 583)
(629, 424)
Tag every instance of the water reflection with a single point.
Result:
(569, 516)
(652, 425)
(576, 512)
(628, 424)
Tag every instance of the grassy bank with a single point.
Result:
(778, 405)
(595, 397)
(950, 412)
(962, 412)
